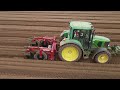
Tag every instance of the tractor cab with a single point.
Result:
(83, 32)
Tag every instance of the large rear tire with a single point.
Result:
(37, 56)
(102, 57)
(70, 53)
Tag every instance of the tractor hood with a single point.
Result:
(101, 38)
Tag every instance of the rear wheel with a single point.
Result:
(70, 52)
(37, 56)
(102, 57)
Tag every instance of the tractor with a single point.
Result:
(80, 42)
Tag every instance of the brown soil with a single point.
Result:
(17, 27)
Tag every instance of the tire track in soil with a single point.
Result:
(60, 69)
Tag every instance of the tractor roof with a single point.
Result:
(81, 25)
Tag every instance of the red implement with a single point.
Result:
(46, 48)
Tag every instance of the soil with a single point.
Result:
(17, 26)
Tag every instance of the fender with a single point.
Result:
(100, 50)
(65, 33)
(71, 41)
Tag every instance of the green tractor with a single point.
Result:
(81, 42)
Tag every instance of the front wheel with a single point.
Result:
(70, 52)
(102, 57)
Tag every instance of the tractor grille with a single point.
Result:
(106, 44)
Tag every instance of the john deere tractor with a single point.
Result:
(81, 42)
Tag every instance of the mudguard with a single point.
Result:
(100, 50)
(65, 32)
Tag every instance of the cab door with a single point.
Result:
(85, 38)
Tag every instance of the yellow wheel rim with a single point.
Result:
(70, 53)
(103, 58)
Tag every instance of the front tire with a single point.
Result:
(70, 53)
(102, 57)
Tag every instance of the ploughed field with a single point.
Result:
(17, 26)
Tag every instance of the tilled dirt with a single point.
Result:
(17, 27)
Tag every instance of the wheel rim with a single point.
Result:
(70, 53)
(103, 58)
